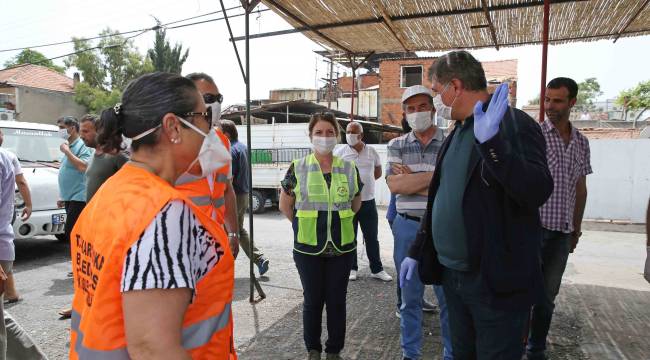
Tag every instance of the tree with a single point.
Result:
(534, 101)
(29, 56)
(637, 98)
(588, 92)
(106, 69)
(165, 57)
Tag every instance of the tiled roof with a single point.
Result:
(36, 76)
(500, 70)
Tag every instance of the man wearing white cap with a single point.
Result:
(411, 161)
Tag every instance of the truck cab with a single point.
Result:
(37, 149)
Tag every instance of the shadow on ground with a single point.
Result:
(40, 251)
(372, 329)
(591, 322)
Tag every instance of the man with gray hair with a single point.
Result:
(369, 164)
(480, 236)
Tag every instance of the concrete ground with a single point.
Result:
(603, 310)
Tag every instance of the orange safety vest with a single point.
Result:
(109, 225)
(208, 194)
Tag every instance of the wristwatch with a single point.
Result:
(233, 234)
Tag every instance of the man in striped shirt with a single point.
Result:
(411, 160)
(568, 156)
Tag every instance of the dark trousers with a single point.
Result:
(367, 217)
(72, 210)
(479, 331)
(555, 253)
(324, 282)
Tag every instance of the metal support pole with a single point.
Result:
(329, 84)
(353, 88)
(542, 93)
(253, 281)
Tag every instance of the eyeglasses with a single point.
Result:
(207, 115)
(210, 98)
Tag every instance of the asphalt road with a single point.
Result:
(603, 311)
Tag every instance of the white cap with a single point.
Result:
(416, 90)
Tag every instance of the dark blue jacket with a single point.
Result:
(508, 180)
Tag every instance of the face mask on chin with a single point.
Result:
(324, 144)
(419, 121)
(212, 156)
(216, 113)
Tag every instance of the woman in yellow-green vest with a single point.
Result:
(320, 197)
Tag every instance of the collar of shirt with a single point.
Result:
(437, 136)
(549, 127)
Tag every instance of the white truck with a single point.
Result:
(274, 147)
(37, 148)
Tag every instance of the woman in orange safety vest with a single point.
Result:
(153, 275)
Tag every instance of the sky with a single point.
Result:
(288, 60)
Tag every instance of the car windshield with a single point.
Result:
(33, 145)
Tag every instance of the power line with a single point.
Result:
(131, 37)
(119, 33)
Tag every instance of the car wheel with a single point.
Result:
(259, 200)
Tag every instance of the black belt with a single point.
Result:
(409, 217)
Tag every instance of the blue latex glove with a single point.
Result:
(406, 270)
(486, 124)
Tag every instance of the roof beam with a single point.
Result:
(389, 24)
(631, 20)
(307, 26)
(374, 20)
(490, 24)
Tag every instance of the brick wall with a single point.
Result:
(390, 92)
(367, 80)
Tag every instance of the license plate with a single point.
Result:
(58, 219)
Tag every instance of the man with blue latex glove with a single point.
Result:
(480, 235)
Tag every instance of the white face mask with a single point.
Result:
(420, 121)
(323, 144)
(63, 134)
(213, 155)
(216, 113)
(444, 111)
(352, 139)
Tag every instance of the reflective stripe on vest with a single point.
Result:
(188, 178)
(194, 336)
(208, 201)
(305, 196)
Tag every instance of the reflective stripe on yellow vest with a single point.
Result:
(314, 199)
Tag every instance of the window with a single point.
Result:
(411, 75)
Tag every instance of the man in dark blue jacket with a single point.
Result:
(480, 236)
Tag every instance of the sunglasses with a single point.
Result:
(207, 115)
(211, 98)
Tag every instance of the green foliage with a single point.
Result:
(96, 99)
(588, 92)
(106, 69)
(637, 97)
(165, 57)
(534, 101)
(29, 56)
(112, 64)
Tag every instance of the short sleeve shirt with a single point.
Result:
(175, 251)
(72, 182)
(7, 193)
(567, 163)
(408, 150)
(366, 161)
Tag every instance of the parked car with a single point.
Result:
(37, 148)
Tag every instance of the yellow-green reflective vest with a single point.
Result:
(324, 214)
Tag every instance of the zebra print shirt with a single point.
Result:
(175, 251)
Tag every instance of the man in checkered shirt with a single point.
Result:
(567, 153)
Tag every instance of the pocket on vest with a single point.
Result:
(307, 221)
(347, 227)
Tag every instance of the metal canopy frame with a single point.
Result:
(389, 23)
